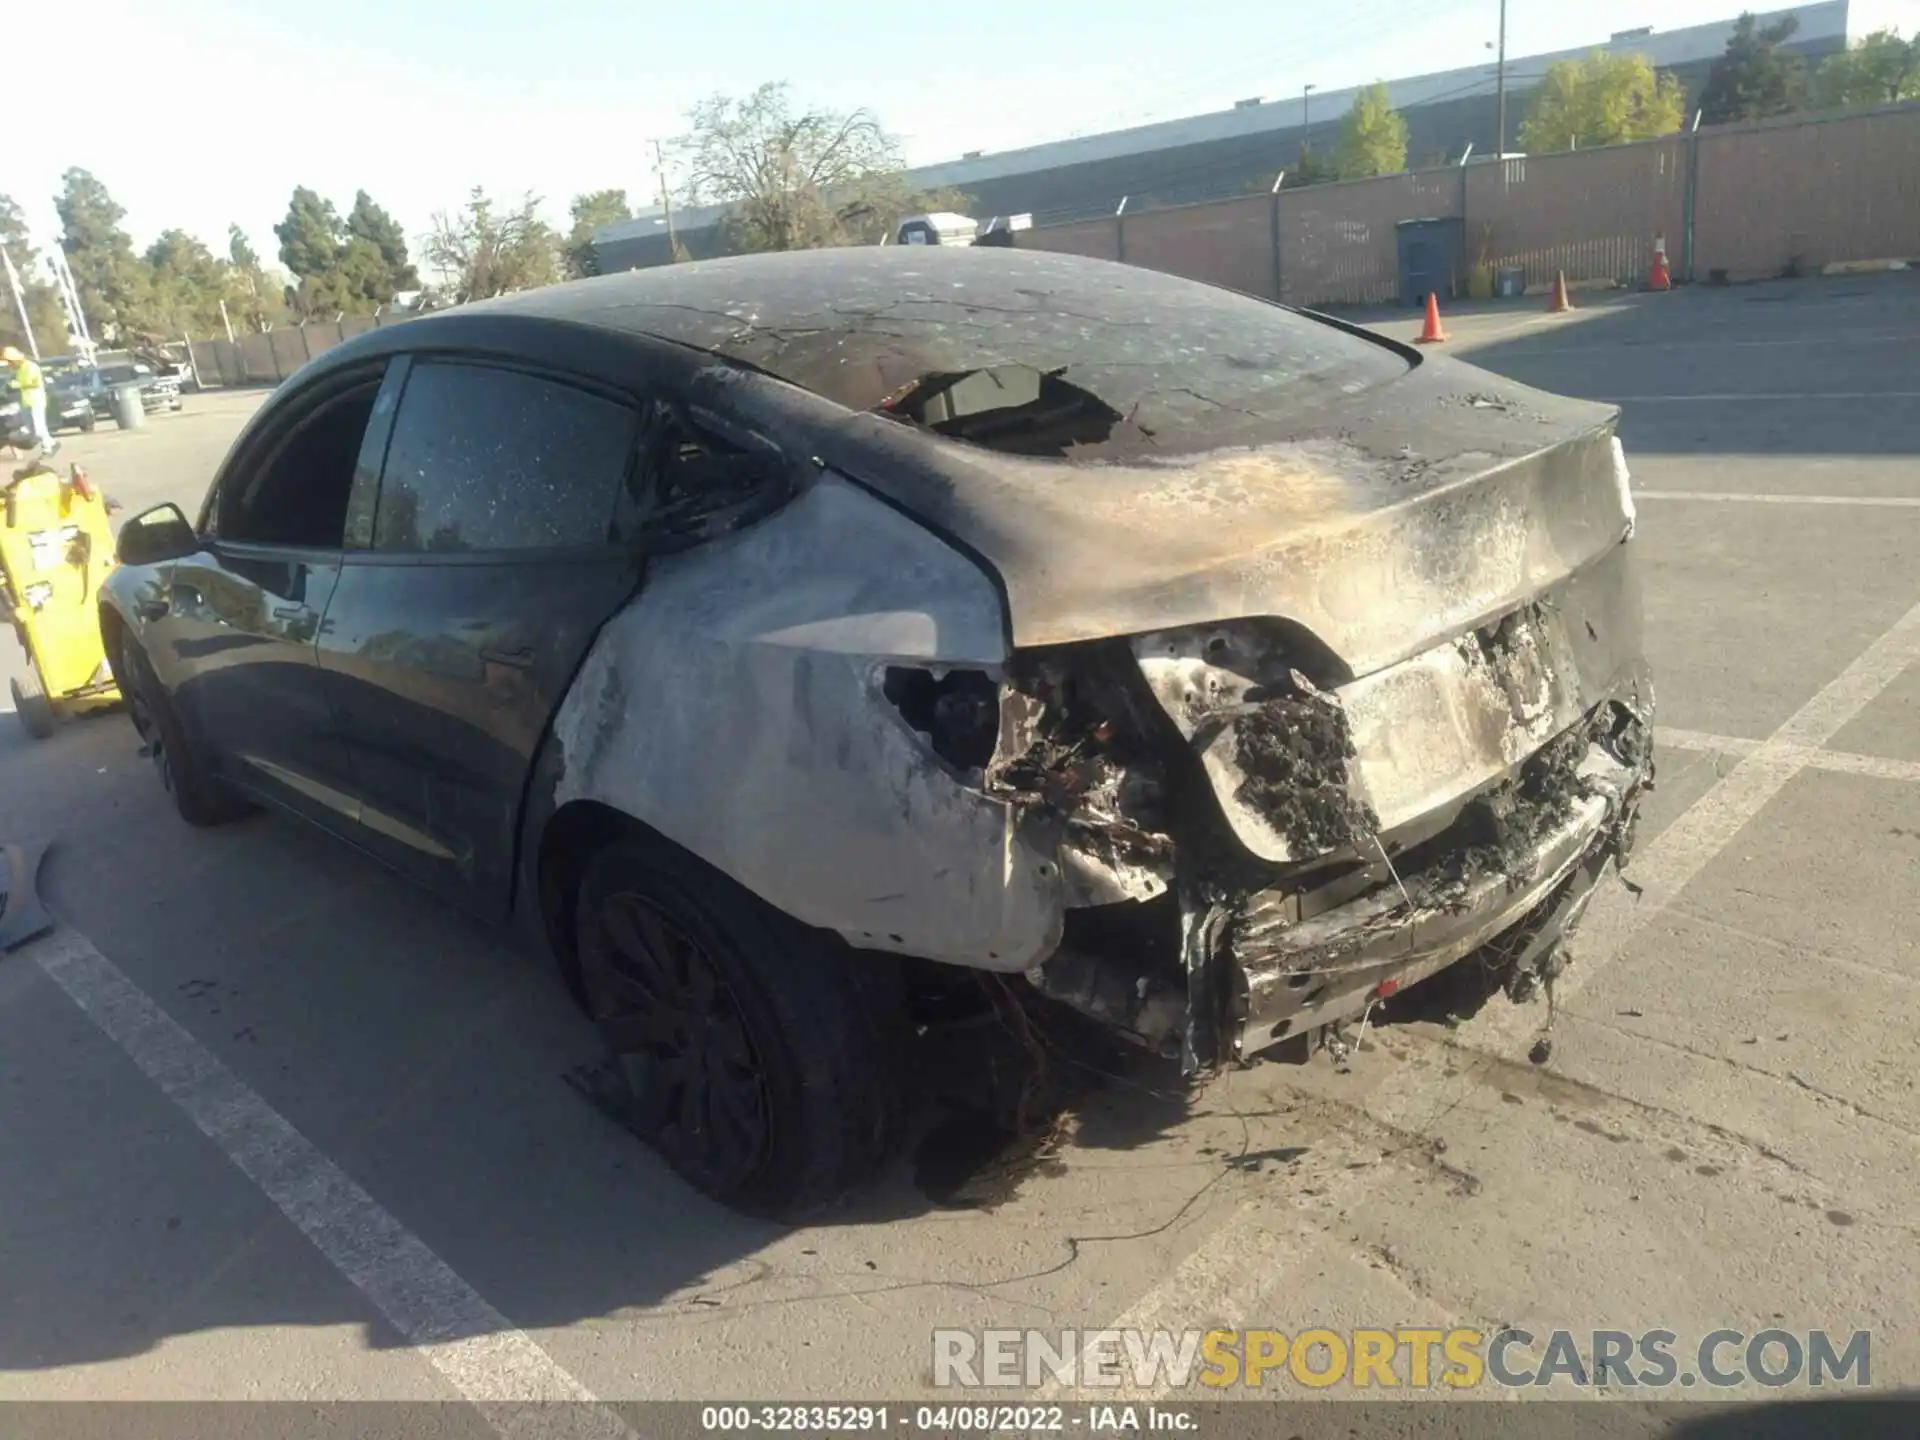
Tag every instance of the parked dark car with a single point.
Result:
(71, 400)
(157, 392)
(66, 410)
(762, 633)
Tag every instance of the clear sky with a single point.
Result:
(196, 113)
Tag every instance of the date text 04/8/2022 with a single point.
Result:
(977, 1419)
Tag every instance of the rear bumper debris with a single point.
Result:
(1287, 979)
(1215, 970)
(1276, 846)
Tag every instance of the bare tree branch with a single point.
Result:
(794, 181)
(480, 254)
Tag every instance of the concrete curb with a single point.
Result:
(1865, 267)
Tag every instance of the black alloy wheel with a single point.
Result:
(133, 689)
(763, 1059)
(677, 1033)
(198, 797)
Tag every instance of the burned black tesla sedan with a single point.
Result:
(753, 631)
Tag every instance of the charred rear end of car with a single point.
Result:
(1255, 848)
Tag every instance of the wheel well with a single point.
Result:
(575, 833)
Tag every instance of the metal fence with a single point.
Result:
(270, 358)
(1735, 203)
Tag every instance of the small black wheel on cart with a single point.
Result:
(31, 704)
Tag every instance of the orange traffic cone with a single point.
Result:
(1433, 334)
(1561, 303)
(1661, 277)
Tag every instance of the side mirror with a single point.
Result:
(162, 533)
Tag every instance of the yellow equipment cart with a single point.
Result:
(55, 548)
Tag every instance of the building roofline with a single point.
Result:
(1824, 21)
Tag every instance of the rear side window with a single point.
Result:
(491, 459)
(700, 483)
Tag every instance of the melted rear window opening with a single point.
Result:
(1011, 408)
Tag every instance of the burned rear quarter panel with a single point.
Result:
(734, 706)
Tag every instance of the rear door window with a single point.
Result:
(490, 459)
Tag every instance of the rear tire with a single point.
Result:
(30, 703)
(198, 795)
(762, 1059)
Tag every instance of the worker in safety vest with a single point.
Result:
(32, 388)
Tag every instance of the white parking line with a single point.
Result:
(1665, 346)
(1769, 399)
(493, 1364)
(1840, 761)
(1245, 1258)
(1895, 502)
(1668, 863)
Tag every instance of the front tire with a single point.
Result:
(762, 1059)
(31, 704)
(198, 795)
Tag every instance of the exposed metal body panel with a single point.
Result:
(735, 707)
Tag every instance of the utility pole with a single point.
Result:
(1306, 115)
(19, 300)
(70, 302)
(666, 200)
(1500, 89)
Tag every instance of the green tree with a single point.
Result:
(342, 268)
(481, 252)
(187, 285)
(1879, 69)
(113, 285)
(359, 282)
(42, 303)
(1601, 100)
(1373, 137)
(311, 237)
(368, 222)
(240, 251)
(1309, 169)
(592, 211)
(253, 301)
(1754, 78)
(795, 179)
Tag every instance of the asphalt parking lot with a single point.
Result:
(274, 1126)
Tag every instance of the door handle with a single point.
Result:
(520, 659)
(288, 612)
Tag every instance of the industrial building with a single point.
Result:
(1228, 152)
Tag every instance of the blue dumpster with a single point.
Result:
(1429, 258)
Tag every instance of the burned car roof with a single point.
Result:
(1121, 360)
(1128, 451)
